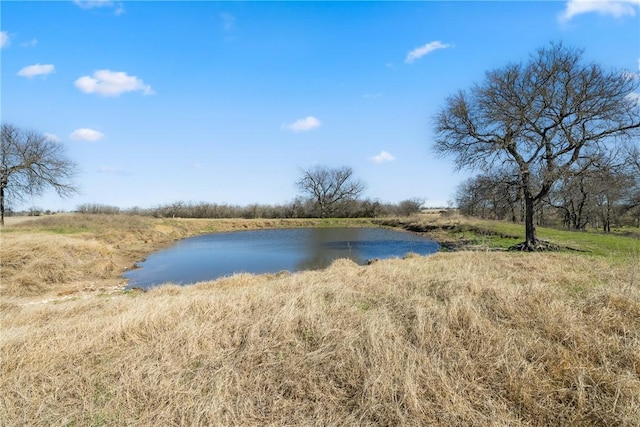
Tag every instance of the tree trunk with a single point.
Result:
(530, 229)
(607, 220)
(1, 206)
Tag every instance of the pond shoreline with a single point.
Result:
(76, 254)
(211, 256)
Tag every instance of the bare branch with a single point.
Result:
(329, 187)
(549, 118)
(29, 164)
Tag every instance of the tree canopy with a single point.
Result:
(31, 163)
(328, 187)
(552, 117)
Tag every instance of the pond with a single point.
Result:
(210, 256)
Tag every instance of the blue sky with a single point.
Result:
(225, 102)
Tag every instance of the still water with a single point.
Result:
(210, 256)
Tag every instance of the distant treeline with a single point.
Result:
(298, 208)
(595, 199)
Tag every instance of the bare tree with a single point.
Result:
(30, 163)
(545, 118)
(327, 187)
(492, 196)
(410, 207)
(572, 198)
(634, 158)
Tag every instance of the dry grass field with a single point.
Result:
(457, 338)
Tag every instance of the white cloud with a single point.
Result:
(31, 43)
(228, 24)
(421, 51)
(306, 124)
(382, 157)
(4, 39)
(85, 134)
(36, 70)
(228, 21)
(638, 63)
(112, 83)
(630, 75)
(634, 97)
(91, 4)
(51, 137)
(94, 4)
(615, 8)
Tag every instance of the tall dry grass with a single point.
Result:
(32, 263)
(452, 339)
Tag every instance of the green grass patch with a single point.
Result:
(498, 234)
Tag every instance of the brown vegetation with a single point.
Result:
(463, 338)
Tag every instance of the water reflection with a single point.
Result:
(211, 256)
(325, 245)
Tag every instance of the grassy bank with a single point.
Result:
(456, 338)
(465, 233)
